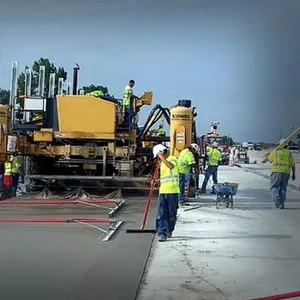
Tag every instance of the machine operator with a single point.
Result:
(127, 103)
(186, 160)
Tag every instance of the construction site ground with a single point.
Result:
(215, 254)
(250, 251)
(67, 261)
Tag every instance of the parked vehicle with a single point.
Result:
(293, 149)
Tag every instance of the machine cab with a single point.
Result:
(28, 113)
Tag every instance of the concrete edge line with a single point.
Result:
(293, 186)
(146, 266)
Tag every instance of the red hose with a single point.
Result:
(38, 220)
(62, 202)
(289, 295)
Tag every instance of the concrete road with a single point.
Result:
(216, 254)
(67, 261)
(265, 169)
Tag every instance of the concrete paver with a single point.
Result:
(215, 254)
(67, 261)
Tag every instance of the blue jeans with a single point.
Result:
(127, 117)
(210, 171)
(15, 183)
(278, 186)
(167, 213)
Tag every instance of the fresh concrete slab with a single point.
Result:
(216, 254)
(67, 261)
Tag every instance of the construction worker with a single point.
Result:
(96, 94)
(168, 193)
(283, 162)
(214, 158)
(127, 105)
(160, 131)
(12, 167)
(186, 160)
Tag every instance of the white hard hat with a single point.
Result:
(157, 149)
(216, 144)
(281, 141)
(195, 147)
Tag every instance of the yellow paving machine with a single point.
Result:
(76, 140)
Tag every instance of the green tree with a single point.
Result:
(4, 96)
(49, 68)
(91, 88)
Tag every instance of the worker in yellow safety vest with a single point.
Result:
(160, 130)
(12, 166)
(127, 105)
(214, 158)
(168, 192)
(186, 161)
(283, 162)
(96, 94)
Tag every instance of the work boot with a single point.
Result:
(162, 238)
(277, 202)
(202, 192)
(169, 235)
(281, 205)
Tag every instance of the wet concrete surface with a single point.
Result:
(217, 254)
(67, 261)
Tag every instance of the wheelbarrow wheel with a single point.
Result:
(218, 201)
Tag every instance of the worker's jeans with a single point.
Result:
(15, 183)
(167, 213)
(183, 178)
(278, 186)
(210, 171)
(128, 115)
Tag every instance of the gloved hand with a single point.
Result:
(293, 177)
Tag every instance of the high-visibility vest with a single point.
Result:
(169, 178)
(185, 159)
(96, 94)
(161, 131)
(15, 165)
(127, 95)
(12, 166)
(214, 156)
(8, 167)
(282, 160)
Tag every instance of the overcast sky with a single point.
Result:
(238, 61)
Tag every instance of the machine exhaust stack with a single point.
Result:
(41, 88)
(51, 85)
(28, 78)
(69, 88)
(75, 79)
(60, 86)
(14, 82)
